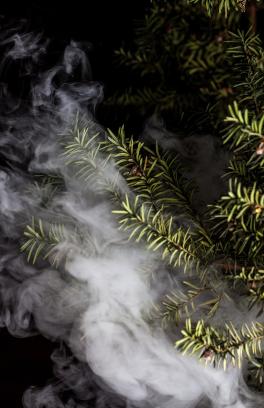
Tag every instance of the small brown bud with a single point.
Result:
(168, 28)
(228, 90)
(220, 38)
(207, 354)
(260, 149)
(135, 171)
(252, 285)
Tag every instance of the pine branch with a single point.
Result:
(157, 230)
(243, 132)
(241, 219)
(155, 176)
(55, 242)
(221, 347)
(85, 154)
(244, 136)
(246, 53)
(253, 278)
(157, 179)
(139, 61)
(180, 304)
(138, 169)
(221, 6)
(42, 243)
(159, 99)
(256, 370)
(46, 187)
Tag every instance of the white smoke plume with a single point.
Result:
(95, 305)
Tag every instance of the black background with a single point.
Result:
(107, 25)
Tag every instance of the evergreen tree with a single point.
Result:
(220, 247)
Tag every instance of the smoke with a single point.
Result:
(95, 303)
(203, 156)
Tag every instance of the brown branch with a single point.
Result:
(252, 13)
(227, 266)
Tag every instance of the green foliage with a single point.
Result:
(156, 175)
(176, 245)
(244, 133)
(246, 53)
(43, 242)
(182, 303)
(46, 187)
(219, 249)
(155, 206)
(221, 6)
(242, 207)
(218, 347)
(178, 63)
(239, 214)
(160, 188)
(256, 370)
(56, 242)
(230, 244)
(82, 153)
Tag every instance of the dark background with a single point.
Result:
(106, 25)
